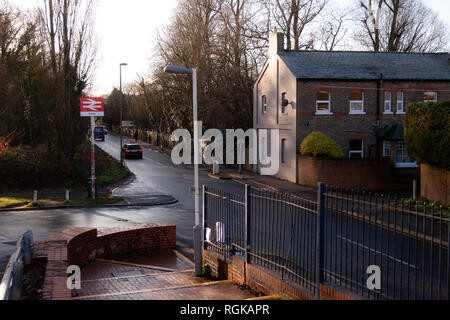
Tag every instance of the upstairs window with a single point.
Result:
(264, 104)
(430, 96)
(388, 102)
(400, 102)
(356, 101)
(356, 149)
(323, 102)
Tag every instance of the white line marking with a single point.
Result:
(378, 252)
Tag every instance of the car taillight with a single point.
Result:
(128, 151)
(140, 150)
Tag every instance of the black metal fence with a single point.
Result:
(376, 247)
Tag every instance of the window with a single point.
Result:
(283, 102)
(430, 96)
(283, 151)
(400, 102)
(356, 149)
(323, 103)
(388, 102)
(264, 104)
(357, 101)
(387, 149)
(402, 159)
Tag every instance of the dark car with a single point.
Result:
(99, 133)
(132, 151)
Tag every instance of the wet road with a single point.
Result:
(154, 175)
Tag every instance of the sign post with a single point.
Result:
(92, 107)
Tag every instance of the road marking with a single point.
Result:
(378, 252)
(137, 276)
(207, 284)
(138, 265)
(273, 297)
(184, 257)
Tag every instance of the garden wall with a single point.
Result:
(363, 174)
(435, 184)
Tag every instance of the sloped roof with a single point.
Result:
(393, 132)
(353, 65)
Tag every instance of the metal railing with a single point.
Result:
(10, 287)
(335, 241)
(407, 241)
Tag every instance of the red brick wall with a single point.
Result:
(78, 245)
(352, 174)
(340, 126)
(260, 280)
(435, 184)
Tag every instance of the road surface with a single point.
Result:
(155, 174)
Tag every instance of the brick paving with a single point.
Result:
(140, 279)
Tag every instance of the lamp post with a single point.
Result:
(121, 113)
(198, 219)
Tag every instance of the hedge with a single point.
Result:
(427, 133)
(318, 144)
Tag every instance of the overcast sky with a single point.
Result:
(127, 31)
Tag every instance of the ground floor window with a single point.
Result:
(402, 159)
(356, 149)
(402, 153)
(387, 149)
(283, 151)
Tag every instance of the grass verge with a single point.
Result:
(13, 202)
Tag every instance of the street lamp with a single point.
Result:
(121, 120)
(198, 224)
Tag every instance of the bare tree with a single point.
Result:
(400, 26)
(68, 28)
(334, 29)
(293, 17)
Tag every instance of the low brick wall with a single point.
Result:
(364, 174)
(263, 281)
(435, 184)
(76, 246)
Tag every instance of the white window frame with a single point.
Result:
(389, 111)
(357, 152)
(401, 102)
(358, 101)
(264, 104)
(434, 100)
(322, 112)
(387, 146)
(410, 164)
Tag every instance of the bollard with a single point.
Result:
(67, 195)
(35, 197)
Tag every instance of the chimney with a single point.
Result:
(276, 42)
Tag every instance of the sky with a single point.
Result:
(127, 33)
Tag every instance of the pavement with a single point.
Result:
(165, 276)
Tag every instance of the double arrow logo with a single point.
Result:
(93, 105)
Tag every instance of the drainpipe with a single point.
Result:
(377, 130)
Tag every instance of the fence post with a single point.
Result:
(320, 233)
(205, 218)
(247, 222)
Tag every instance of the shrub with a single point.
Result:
(427, 133)
(318, 144)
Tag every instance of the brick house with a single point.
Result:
(356, 98)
